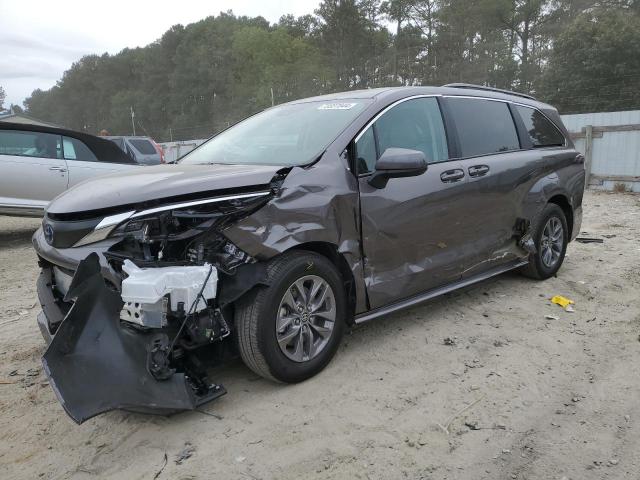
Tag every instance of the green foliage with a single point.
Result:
(288, 67)
(595, 64)
(581, 55)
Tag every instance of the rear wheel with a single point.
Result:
(291, 329)
(551, 236)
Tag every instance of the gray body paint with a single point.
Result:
(416, 238)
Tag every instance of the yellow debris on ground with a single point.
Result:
(562, 301)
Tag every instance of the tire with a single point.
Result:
(539, 266)
(258, 312)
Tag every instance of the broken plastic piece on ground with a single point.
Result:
(95, 365)
(563, 302)
(589, 240)
(551, 317)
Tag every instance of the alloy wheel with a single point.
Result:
(551, 242)
(306, 318)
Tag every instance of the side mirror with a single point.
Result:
(397, 163)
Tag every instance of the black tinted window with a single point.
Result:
(30, 144)
(119, 142)
(75, 149)
(483, 126)
(416, 125)
(541, 131)
(145, 147)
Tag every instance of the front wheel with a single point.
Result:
(551, 236)
(291, 329)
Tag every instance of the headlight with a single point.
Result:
(103, 229)
(172, 220)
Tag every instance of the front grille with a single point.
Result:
(66, 234)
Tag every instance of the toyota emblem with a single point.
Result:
(48, 233)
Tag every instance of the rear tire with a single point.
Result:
(550, 235)
(281, 336)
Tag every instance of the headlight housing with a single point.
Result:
(152, 222)
(103, 229)
(179, 234)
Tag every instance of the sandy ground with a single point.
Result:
(518, 396)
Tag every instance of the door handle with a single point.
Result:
(478, 170)
(58, 169)
(451, 176)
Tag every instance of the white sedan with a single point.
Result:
(38, 163)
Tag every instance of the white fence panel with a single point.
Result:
(615, 147)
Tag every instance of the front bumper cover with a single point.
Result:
(94, 364)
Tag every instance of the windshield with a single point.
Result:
(285, 135)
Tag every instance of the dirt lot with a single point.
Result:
(517, 396)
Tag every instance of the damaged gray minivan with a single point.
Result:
(273, 236)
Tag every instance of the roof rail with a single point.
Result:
(470, 86)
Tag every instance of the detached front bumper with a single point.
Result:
(94, 364)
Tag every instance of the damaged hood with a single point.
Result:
(142, 185)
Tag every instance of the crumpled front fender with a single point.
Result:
(95, 365)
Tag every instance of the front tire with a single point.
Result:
(551, 236)
(290, 330)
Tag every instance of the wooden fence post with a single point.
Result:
(588, 152)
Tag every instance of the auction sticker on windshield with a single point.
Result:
(337, 106)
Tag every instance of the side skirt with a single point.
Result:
(436, 292)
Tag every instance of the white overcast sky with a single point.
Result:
(39, 40)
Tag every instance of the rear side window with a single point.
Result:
(30, 144)
(145, 147)
(483, 126)
(541, 131)
(75, 149)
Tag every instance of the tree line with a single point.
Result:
(580, 55)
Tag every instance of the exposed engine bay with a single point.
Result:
(167, 306)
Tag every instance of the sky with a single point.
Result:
(39, 40)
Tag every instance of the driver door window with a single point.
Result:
(366, 154)
(413, 124)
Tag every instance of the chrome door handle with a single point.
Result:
(58, 169)
(478, 170)
(451, 176)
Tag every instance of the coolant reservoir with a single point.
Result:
(145, 291)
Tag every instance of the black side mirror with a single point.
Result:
(397, 163)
